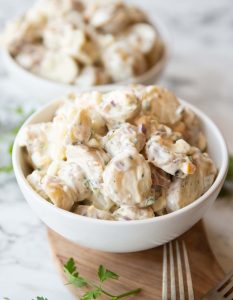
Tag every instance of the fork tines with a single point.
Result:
(177, 280)
(224, 290)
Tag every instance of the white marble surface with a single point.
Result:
(200, 70)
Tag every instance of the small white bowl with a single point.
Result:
(41, 90)
(122, 236)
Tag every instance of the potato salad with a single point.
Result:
(129, 154)
(84, 42)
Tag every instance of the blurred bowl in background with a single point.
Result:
(39, 89)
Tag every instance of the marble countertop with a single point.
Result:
(200, 70)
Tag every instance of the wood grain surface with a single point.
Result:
(140, 269)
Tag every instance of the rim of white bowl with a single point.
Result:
(218, 180)
(149, 74)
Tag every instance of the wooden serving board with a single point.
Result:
(140, 269)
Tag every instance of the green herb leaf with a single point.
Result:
(225, 192)
(94, 294)
(41, 298)
(16, 128)
(6, 169)
(230, 170)
(70, 266)
(72, 275)
(149, 201)
(105, 274)
(10, 147)
(19, 110)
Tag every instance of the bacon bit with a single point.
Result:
(113, 103)
(159, 177)
(120, 165)
(191, 168)
(78, 6)
(126, 218)
(143, 128)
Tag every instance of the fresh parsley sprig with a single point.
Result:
(96, 290)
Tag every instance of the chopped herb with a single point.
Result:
(146, 105)
(190, 158)
(149, 201)
(230, 170)
(87, 183)
(19, 110)
(10, 148)
(6, 169)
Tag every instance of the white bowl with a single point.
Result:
(122, 236)
(40, 89)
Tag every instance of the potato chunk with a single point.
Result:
(127, 179)
(169, 152)
(124, 137)
(181, 192)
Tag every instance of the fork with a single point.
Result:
(169, 262)
(224, 290)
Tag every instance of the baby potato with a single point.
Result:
(58, 67)
(79, 130)
(118, 106)
(92, 161)
(167, 151)
(159, 102)
(35, 138)
(72, 175)
(183, 191)
(35, 180)
(141, 36)
(109, 17)
(127, 178)
(59, 193)
(123, 137)
(122, 61)
(146, 124)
